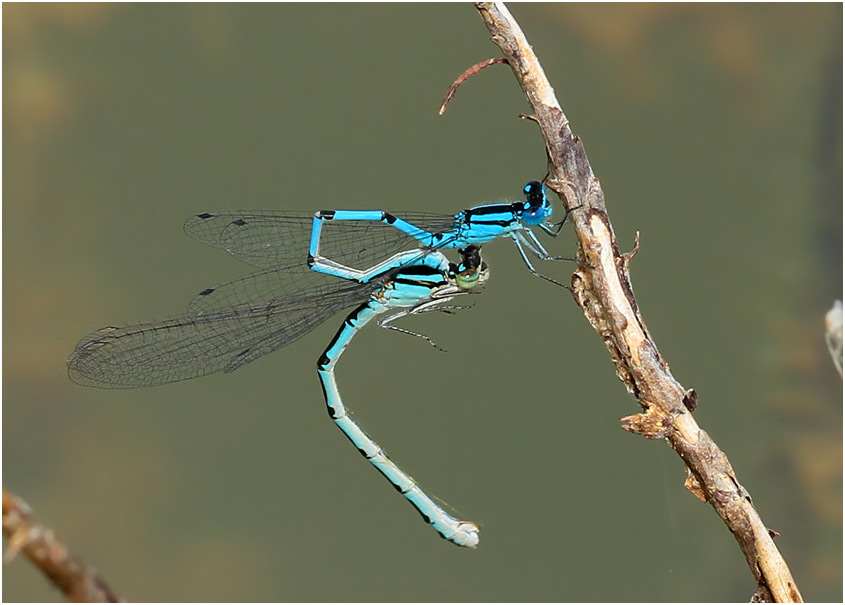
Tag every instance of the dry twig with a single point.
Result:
(602, 288)
(833, 334)
(475, 69)
(79, 582)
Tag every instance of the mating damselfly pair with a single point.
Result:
(386, 265)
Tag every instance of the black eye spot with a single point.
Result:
(535, 195)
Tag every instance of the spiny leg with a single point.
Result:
(519, 243)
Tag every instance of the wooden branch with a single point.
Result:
(602, 288)
(472, 71)
(79, 582)
(833, 334)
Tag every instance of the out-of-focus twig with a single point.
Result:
(833, 334)
(79, 582)
(602, 288)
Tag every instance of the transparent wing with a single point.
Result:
(264, 287)
(189, 346)
(270, 239)
(264, 239)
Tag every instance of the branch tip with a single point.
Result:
(475, 69)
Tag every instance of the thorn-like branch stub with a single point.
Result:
(466, 76)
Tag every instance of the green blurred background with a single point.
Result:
(715, 131)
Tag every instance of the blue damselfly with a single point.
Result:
(235, 323)
(365, 242)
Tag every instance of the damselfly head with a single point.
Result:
(472, 270)
(537, 206)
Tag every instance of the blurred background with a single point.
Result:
(716, 133)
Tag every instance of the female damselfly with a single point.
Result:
(234, 323)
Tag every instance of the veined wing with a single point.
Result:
(179, 348)
(272, 239)
(266, 286)
(262, 238)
